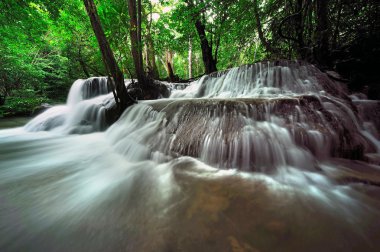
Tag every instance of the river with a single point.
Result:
(268, 157)
(12, 122)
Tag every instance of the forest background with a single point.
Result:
(45, 45)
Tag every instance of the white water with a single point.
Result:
(267, 79)
(286, 182)
(84, 111)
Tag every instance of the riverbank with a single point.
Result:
(13, 122)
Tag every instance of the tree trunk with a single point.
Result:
(262, 38)
(190, 59)
(120, 92)
(139, 40)
(208, 60)
(337, 24)
(150, 52)
(84, 68)
(299, 27)
(151, 58)
(82, 64)
(322, 32)
(135, 33)
(169, 65)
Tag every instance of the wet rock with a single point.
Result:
(39, 109)
(249, 134)
(95, 86)
(336, 76)
(346, 171)
(154, 90)
(149, 91)
(369, 111)
(358, 96)
(372, 158)
(112, 112)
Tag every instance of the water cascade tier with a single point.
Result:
(248, 134)
(84, 112)
(255, 118)
(265, 79)
(273, 156)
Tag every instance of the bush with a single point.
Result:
(16, 106)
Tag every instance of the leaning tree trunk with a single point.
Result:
(121, 95)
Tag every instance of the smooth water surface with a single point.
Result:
(13, 122)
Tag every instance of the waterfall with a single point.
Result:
(264, 79)
(273, 156)
(84, 111)
(256, 118)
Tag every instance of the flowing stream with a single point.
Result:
(266, 157)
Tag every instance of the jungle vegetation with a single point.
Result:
(45, 45)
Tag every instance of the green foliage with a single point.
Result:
(45, 45)
(22, 104)
(26, 57)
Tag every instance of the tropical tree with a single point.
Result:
(119, 90)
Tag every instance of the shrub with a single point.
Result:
(21, 106)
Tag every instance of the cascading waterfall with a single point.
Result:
(257, 118)
(265, 157)
(266, 79)
(84, 111)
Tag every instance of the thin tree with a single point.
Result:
(169, 64)
(206, 47)
(322, 32)
(150, 52)
(134, 10)
(119, 90)
(263, 40)
(190, 59)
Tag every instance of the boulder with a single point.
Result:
(41, 108)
